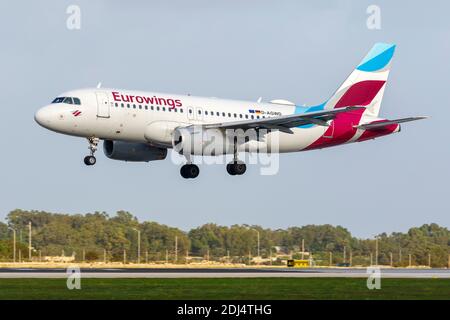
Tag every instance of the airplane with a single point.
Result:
(142, 126)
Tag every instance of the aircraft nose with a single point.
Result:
(42, 117)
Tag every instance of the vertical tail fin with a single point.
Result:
(366, 84)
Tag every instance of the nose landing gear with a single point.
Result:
(90, 160)
(93, 143)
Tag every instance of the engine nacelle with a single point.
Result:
(160, 132)
(129, 151)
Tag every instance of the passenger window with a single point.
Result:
(190, 110)
(157, 108)
(206, 112)
(253, 117)
(151, 107)
(140, 107)
(240, 116)
(235, 115)
(217, 114)
(223, 114)
(128, 105)
(175, 109)
(181, 110)
(146, 107)
(77, 101)
(134, 106)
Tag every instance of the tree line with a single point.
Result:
(97, 233)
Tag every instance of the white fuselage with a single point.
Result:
(149, 117)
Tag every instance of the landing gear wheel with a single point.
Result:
(230, 169)
(239, 168)
(189, 171)
(236, 168)
(90, 160)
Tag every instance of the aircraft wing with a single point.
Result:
(284, 123)
(383, 123)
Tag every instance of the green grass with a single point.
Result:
(223, 288)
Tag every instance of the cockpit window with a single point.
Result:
(68, 100)
(58, 100)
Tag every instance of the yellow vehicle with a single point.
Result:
(298, 263)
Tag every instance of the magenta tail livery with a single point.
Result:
(141, 126)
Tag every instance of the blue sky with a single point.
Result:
(295, 50)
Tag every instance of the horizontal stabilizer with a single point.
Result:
(383, 123)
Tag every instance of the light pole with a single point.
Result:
(14, 243)
(139, 245)
(29, 241)
(258, 242)
(303, 249)
(257, 232)
(376, 250)
(345, 254)
(176, 249)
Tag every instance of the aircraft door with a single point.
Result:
(102, 105)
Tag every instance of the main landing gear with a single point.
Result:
(189, 171)
(93, 143)
(236, 168)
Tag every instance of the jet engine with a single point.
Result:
(128, 151)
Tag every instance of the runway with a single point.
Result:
(224, 273)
